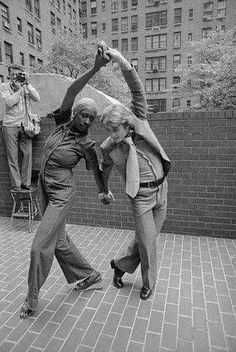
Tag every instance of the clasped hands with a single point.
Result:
(106, 198)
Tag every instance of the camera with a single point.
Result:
(20, 77)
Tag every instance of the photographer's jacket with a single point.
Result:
(15, 103)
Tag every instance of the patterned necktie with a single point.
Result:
(132, 169)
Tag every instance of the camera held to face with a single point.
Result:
(20, 77)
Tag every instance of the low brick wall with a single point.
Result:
(202, 179)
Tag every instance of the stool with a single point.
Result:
(25, 203)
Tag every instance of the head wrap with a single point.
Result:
(86, 103)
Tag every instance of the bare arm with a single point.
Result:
(80, 82)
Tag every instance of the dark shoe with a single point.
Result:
(25, 311)
(118, 283)
(16, 189)
(145, 293)
(93, 282)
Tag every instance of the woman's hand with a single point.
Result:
(101, 60)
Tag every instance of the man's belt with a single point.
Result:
(153, 184)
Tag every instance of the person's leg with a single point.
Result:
(43, 249)
(73, 264)
(25, 144)
(11, 135)
(129, 262)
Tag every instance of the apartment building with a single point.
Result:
(150, 33)
(27, 28)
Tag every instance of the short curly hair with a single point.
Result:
(116, 115)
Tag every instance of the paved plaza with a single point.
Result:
(193, 308)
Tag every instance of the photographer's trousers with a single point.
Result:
(58, 191)
(15, 139)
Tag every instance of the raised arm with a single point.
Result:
(138, 102)
(80, 82)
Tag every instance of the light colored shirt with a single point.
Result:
(15, 103)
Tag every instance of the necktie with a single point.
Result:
(132, 169)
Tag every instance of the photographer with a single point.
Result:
(17, 94)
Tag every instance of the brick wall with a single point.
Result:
(201, 198)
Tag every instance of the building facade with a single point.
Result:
(150, 33)
(27, 28)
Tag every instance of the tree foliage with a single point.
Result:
(212, 76)
(72, 55)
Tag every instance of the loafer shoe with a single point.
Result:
(117, 281)
(93, 282)
(145, 293)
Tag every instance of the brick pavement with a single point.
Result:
(193, 308)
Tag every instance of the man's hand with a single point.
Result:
(26, 78)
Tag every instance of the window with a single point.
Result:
(114, 25)
(114, 5)
(32, 61)
(124, 4)
(156, 19)
(188, 103)
(64, 5)
(177, 39)
(190, 14)
(19, 24)
(8, 53)
(190, 37)
(83, 11)
(156, 105)
(93, 5)
(103, 5)
(176, 60)
(53, 21)
(177, 16)
(28, 5)
(134, 3)
(189, 60)
(0, 53)
(206, 31)
(134, 62)
(74, 14)
(64, 29)
(38, 36)
(134, 23)
(40, 62)
(5, 16)
(84, 30)
(1, 79)
(37, 7)
(176, 102)
(114, 43)
(176, 80)
(58, 22)
(58, 5)
(30, 30)
(207, 11)
(155, 84)
(22, 59)
(104, 27)
(124, 44)
(94, 28)
(155, 41)
(221, 8)
(134, 44)
(155, 63)
(70, 11)
(124, 23)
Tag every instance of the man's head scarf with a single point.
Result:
(86, 103)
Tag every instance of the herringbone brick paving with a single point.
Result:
(193, 308)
